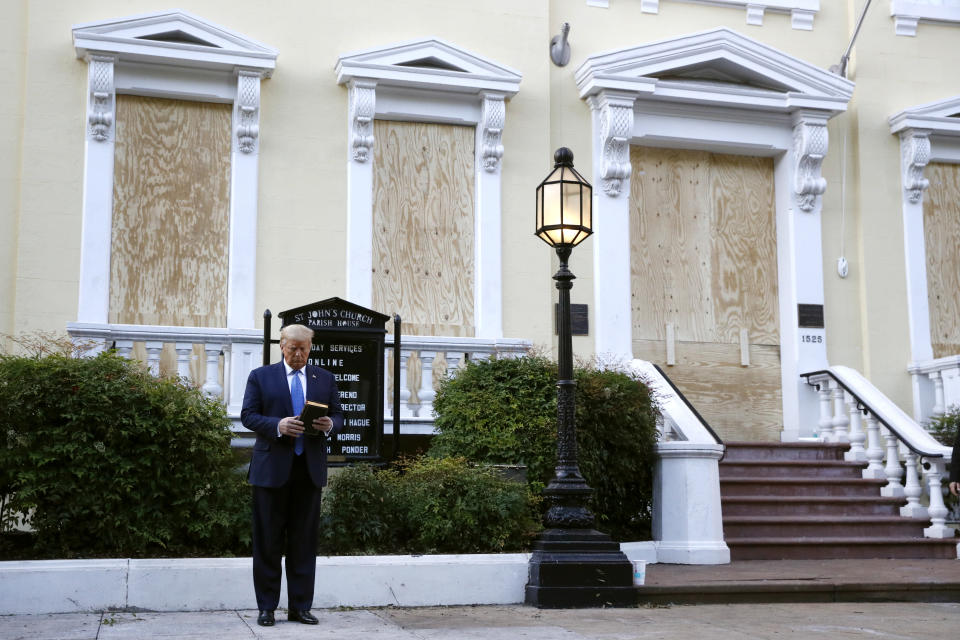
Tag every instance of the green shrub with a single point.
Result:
(111, 461)
(429, 506)
(500, 411)
(505, 411)
(944, 428)
(360, 513)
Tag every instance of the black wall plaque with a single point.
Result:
(810, 316)
(348, 342)
(579, 319)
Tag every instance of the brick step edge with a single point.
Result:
(799, 591)
(818, 499)
(779, 464)
(846, 540)
(824, 520)
(801, 480)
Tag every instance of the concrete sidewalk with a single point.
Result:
(836, 621)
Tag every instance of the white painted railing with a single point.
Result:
(687, 517)
(219, 360)
(424, 360)
(936, 387)
(894, 446)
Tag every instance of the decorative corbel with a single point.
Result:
(915, 154)
(102, 97)
(492, 116)
(363, 101)
(809, 148)
(616, 127)
(247, 115)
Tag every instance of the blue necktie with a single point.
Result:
(296, 396)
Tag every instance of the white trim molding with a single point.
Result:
(428, 80)
(719, 91)
(801, 12)
(928, 133)
(170, 54)
(907, 14)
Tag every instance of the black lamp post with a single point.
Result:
(572, 565)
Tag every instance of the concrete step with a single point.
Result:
(831, 580)
(736, 451)
(742, 527)
(791, 469)
(811, 506)
(845, 547)
(806, 487)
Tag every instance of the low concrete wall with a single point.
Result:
(208, 584)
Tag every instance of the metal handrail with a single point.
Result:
(690, 406)
(864, 406)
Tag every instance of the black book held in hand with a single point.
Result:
(311, 411)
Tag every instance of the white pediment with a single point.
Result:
(720, 67)
(428, 63)
(172, 37)
(941, 117)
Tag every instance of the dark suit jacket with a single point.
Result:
(265, 402)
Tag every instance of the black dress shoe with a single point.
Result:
(265, 619)
(302, 615)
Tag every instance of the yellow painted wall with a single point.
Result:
(12, 56)
(303, 146)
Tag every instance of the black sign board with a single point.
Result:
(810, 316)
(348, 342)
(579, 319)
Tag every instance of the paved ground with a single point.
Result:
(889, 621)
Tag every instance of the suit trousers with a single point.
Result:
(285, 521)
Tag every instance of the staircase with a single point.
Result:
(804, 501)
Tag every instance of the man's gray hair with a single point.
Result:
(296, 332)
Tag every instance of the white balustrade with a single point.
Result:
(230, 354)
(840, 418)
(897, 448)
(857, 435)
(936, 387)
(893, 469)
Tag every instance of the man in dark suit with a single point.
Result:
(288, 471)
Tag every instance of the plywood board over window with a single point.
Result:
(703, 260)
(169, 251)
(171, 200)
(423, 226)
(941, 230)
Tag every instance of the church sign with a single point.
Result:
(348, 341)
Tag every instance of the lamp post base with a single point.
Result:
(579, 568)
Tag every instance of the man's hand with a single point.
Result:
(290, 427)
(323, 423)
(955, 488)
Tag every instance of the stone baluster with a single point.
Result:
(840, 418)
(893, 469)
(154, 349)
(939, 407)
(453, 362)
(825, 425)
(426, 393)
(184, 351)
(912, 489)
(124, 348)
(404, 389)
(480, 355)
(874, 469)
(933, 470)
(212, 386)
(857, 435)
